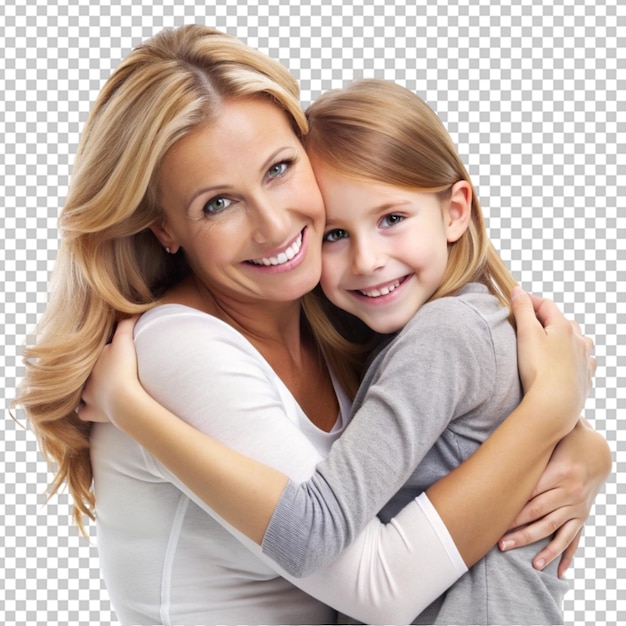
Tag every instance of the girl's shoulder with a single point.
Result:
(470, 305)
(472, 315)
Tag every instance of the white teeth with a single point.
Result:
(283, 257)
(383, 291)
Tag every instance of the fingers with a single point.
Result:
(537, 316)
(547, 312)
(523, 311)
(544, 514)
(528, 308)
(88, 413)
(116, 365)
(563, 535)
(534, 531)
(568, 554)
(126, 327)
(565, 542)
(542, 503)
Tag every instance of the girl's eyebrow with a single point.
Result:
(388, 206)
(381, 208)
(374, 211)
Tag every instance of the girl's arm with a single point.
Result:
(216, 381)
(525, 442)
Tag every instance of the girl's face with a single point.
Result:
(385, 248)
(240, 198)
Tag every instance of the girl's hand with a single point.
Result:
(112, 378)
(555, 360)
(562, 500)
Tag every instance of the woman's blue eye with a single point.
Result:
(278, 169)
(217, 204)
(335, 235)
(390, 220)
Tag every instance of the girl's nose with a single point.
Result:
(366, 257)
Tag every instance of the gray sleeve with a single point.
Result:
(440, 366)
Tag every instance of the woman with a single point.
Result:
(191, 123)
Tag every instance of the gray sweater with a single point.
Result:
(428, 400)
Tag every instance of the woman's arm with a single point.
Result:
(422, 568)
(562, 500)
(195, 371)
(550, 391)
(156, 430)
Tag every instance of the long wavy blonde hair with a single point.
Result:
(376, 130)
(109, 264)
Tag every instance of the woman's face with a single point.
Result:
(240, 198)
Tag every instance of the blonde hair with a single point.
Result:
(109, 264)
(377, 130)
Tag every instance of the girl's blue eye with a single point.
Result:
(217, 204)
(390, 220)
(335, 235)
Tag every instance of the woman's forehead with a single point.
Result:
(243, 139)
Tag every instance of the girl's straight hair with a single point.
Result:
(379, 131)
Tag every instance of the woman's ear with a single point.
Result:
(166, 239)
(458, 210)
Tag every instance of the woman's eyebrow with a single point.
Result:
(199, 192)
(271, 158)
(203, 190)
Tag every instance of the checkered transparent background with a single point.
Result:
(534, 96)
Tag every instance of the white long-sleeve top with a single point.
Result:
(167, 558)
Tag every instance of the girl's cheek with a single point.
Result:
(328, 279)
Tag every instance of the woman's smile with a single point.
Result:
(253, 228)
(289, 253)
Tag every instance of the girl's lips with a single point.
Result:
(382, 289)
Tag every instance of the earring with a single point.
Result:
(167, 250)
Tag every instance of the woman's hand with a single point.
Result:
(113, 377)
(555, 360)
(562, 500)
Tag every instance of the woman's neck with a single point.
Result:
(273, 328)
(277, 332)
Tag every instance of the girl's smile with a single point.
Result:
(380, 291)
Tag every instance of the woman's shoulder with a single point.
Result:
(183, 329)
(176, 317)
(168, 312)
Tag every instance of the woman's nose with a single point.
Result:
(271, 220)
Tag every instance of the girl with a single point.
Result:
(174, 448)
(406, 251)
